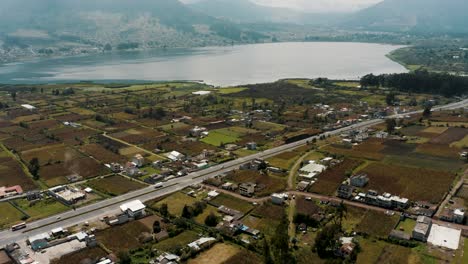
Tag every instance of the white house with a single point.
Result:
(138, 160)
(175, 155)
(134, 208)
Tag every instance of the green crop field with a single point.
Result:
(176, 202)
(9, 215)
(42, 208)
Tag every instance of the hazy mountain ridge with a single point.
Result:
(62, 25)
(246, 11)
(418, 16)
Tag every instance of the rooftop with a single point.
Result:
(444, 237)
(133, 206)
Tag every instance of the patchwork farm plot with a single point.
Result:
(115, 185)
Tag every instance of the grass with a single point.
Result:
(465, 252)
(382, 252)
(226, 254)
(406, 226)
(232, 202)
(176, 202)
(377, 224)
(222, 136)
(230, 90)
(42, 208)
(9, 215)
(181, 240)
(461, 144)
(417, 184)
(115, 185)
(208, 210)
(284, 160)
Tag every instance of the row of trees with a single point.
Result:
(419, 82)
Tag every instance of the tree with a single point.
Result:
(13, 95)
(267, 259)
(391, 124)
(156, 227)
(327, 241)
(187, 212)
(211, 220)
(341, 213)
(427, 111)
(163, 210)
(124, 257)
(280, 243)
(34, 167)
(390, 99)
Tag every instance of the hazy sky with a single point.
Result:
(316, 5)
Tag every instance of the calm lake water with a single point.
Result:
(221, 66)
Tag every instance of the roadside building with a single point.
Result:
(201, 243)
(175, 156)
(213, 194)
(345, 191)
(459, 216)
(359, 180)
(10, 191)
(399, 203)
(311, 170)
(279, 198)
(138, 160)
(422, 228)
(167, 258)
(134, 209)
(247, 189)
(197, 131)
(303, 185)
(251, 146)
(67, 195)
(116, 167)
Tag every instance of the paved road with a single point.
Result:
(111, 205)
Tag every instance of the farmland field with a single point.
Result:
(377, 224)
(10, 215)
(353, 152)
(451, 135)
(284, 160)
(123, 237)
(78, 257)
(232, 202)
(115, 185)
(11, 173)
(406, 226)
(418, 160)
(226, 135)
(42, 208)
(329, 180)
(176, 202)
(102, 154)
(181, 240)
(226, 254)
(381, 252)
(267, 184)
(417, 184)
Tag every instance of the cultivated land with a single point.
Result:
(75, 130)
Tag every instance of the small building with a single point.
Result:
(138, 160)
(213, 194)
(10, 191)
(251, 146)
(229, 186)
(116, 167)
(167, 258)
(279, 198)
(303, 185)
(67, 195)
(133, 209)
(459, 216)
(399, 203)
(197, 131)
(247, 189)
(422, 228)
(28, 107)
(309, 171)
(201, 243)
(345, 191)
(359, 180)
(175, 156)
(326, 161)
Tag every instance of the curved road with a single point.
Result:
(110, 206)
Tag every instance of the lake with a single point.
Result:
(221, 66)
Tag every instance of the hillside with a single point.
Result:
(418, 16)
(61, 25)
(246, 11)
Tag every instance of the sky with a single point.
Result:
(316, 5)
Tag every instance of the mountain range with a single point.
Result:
(68, 27)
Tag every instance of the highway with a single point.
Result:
(111, 206)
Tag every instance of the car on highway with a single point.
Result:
(158, 185)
